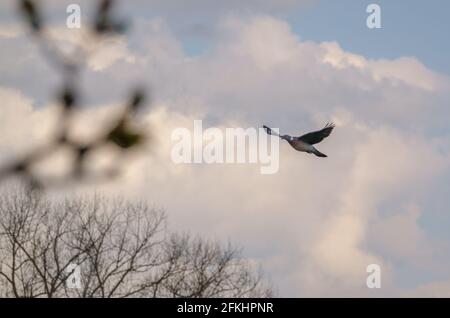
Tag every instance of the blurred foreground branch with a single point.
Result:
(122, 132)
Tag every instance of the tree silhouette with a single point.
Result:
(121, 249)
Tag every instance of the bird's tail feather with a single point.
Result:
(319, 154)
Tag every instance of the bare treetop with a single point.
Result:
(92, 247)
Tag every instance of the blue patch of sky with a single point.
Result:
(409, 28)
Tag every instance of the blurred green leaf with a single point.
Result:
(124, 137)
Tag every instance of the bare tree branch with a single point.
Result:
(122, 250)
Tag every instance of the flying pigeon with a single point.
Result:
(305, 143)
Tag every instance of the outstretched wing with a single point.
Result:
(317, 136)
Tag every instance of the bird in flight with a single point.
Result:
(305, 143)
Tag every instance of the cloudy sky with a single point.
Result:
(381, 197)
